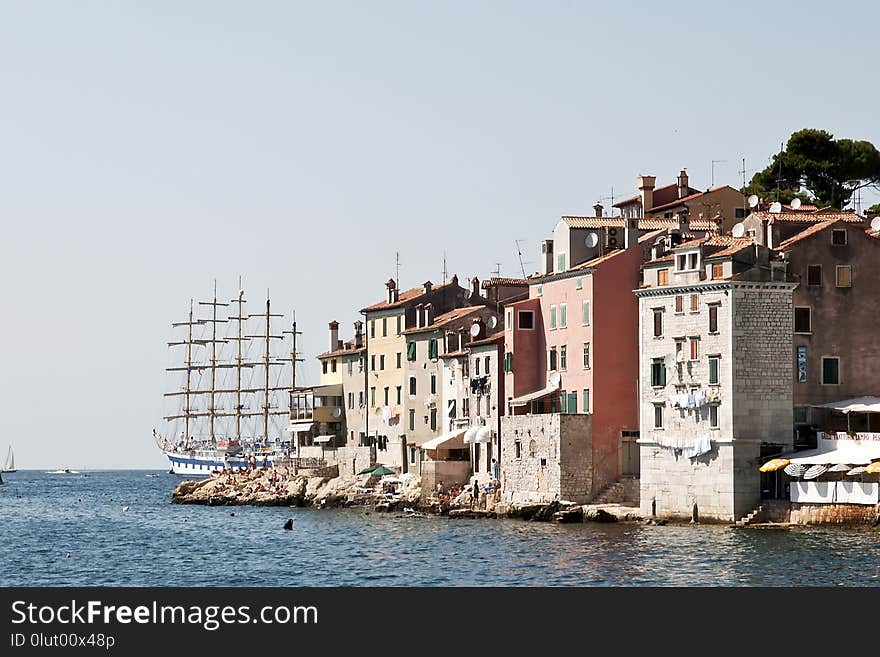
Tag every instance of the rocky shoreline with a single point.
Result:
(281, 487)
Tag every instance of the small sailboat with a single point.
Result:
(9, 466)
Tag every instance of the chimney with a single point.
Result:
(429, 310)
(631, 233)
(334, 335)
(547, 257)
(475, 287)
(358, 334)
(419, 315)
(428, 285)
(683, 220)
(658, 250)
(598, 209)
(683, 186)
(646, 189)
(392, 290)
(454, 280)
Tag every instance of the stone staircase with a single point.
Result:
(769, 511)
(754, 515)
(624, 492)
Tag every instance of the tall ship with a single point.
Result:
(233, 376)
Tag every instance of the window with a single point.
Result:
(658, 323)
(413, 454)
(713, 416)
(560, 262)
(373, 363)
(739, 213)
(563, 404)
(526, 319)
(838, 236)
(713, 318)
(679, 303)
(714, 363)
(451, 408)
(372, 328)
(477, 366)
(693, 259)
(667, 214)
(384, 327)
(539, 290)
(508, 361)
(324, 367)
(382, 362)
(433, 383)
(586, 400)
(488, 404)
(585, 310)
(844, 275)
(410, 351)
(695, 303)
(662, 277)
(373, 396)
(802, 323)
(717, 272)
(572, 401)
(658, 416)
(830, 370)
(508, 318)
(679, 347)
(551, 361)
(351, 400)
(432, 348)
(412, 385)
(360, 398)
(586, 355)
(479, 404)
(658, 373)
(433, 419)
(814, 274)
(563, 315)
(412, 419)
(552, 317)
(399, 359)
(517, 449)
(695, 348)
(350, 367)
(465, 407)
(399, 324)
(386, 396)
(486, 364)
(579, 284)
(680, 263)
(399, 394)
(563, 357)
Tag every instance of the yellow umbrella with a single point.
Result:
(775, 464)
(874, 468)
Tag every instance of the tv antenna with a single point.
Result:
(714, 162)
(444, 267)
(519, 253)
(497, 270)
(397, 269)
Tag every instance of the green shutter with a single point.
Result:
(586, 313)
(573, 402)
(432, 348)
(586, 400)
(553, 317)
(713, 370)
(563, 315)
(410, 350)
(563, 403)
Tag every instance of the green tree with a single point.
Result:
(815, 167)
(873, 211)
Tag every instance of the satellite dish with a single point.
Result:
(492, 322)
(753, 200)
(776, 207)
(337, 412)
(555, 379)
(738, 230)
(591, 240)
(475, 330)
(795, 203)
(679, 356)
(875, 224)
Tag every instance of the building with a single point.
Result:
(770, 229)
(484, 398)
(570, 371)
(723, 205)
(384, 365)
(837, 263)
(715, 370)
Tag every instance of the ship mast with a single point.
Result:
(293, 361)
(267, 335)
(189, 346)
(214, 321)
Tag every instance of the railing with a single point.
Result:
(855, 435)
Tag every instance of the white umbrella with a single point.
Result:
(840, 467)
(795, 469)
(857, 471)
(815, 471)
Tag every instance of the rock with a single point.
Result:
(232, 513)
(570, 514)
(289, 524)
(598, 515)
(470, 513)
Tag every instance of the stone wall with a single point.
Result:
(555, 458)
(835, 514)
(449, 472)
(352, 460)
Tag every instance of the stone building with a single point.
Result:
(485, 398)
(715, 372)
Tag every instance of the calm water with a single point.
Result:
(155, 543)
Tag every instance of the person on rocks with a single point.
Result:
(475, 493)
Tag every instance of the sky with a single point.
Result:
(148, 149)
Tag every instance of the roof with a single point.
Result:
(808, 217)
(522, 400)
(507, 282)
(495, 337)
(650, 223)
(445, 319)
(690, 197)
(807, 232)
(713, 246)
(406, 296)
(348, 348)
(662, 195)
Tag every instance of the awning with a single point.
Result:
(470, 434)
(303, 425)
(830, 452)
(324, 439)
(854, 405)
(532, 396)
(451, 440)
(484, 435)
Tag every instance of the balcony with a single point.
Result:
(328, 414)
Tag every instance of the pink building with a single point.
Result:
(571, 349)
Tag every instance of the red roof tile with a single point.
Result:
(403, 298)
(498, 335)
(650, 223)
(507, 282)
(809, 232)
(808, 217)
(446, 318)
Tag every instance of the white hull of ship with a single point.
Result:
(196, 464)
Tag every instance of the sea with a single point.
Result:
(119, 528)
